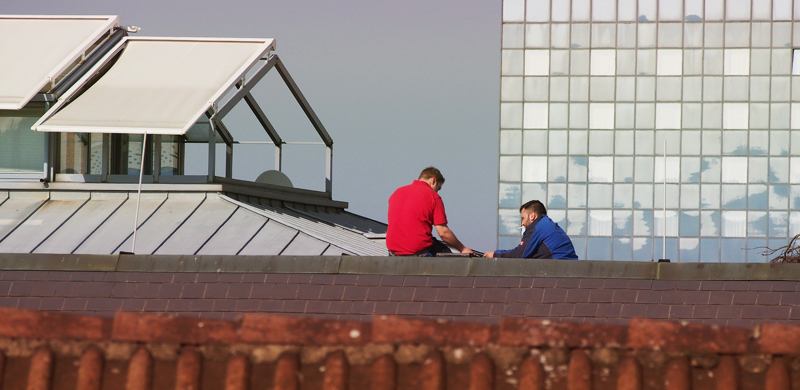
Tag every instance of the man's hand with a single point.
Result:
(449, 238)
(489, 254)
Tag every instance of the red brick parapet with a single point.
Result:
(52, 350)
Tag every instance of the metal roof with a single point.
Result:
(176, 223)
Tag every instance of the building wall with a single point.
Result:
(595, 92)
(359, 297)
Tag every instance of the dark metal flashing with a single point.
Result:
(401, 266)
(221, 184)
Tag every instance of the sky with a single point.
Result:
(398, 84)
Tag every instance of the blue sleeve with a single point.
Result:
(520, 251)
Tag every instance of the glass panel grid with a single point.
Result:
(592, 89)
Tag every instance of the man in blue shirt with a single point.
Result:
(543, 238)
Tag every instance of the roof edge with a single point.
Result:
(372, 265)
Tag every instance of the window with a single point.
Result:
(21, 149)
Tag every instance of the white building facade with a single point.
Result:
(605, 101)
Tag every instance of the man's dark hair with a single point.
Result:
(430, 172)
(535, 206)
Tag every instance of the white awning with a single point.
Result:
(156, 86)
(37, 49)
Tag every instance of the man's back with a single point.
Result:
(413, 210)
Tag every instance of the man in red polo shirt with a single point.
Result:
(413, 210)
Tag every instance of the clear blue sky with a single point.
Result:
(399, 85)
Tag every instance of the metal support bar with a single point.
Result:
(303, 103)
(223, 132)
(228, 138)
(278, 157)
(245, 89)
(156, 158)
(212, 146)
(262, 118)
(105, 157)
(329, 170)
(89, 62)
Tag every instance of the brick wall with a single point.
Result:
(358, 297)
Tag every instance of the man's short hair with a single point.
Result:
(430, 172)
(535, 206)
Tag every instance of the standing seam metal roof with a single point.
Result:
(189, 223)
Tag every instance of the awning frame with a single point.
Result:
(81, 51)
(95, 71)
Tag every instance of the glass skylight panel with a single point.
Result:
(534, 169)
(510, 115)
(625, 116)
(782, 34)
(758, 170)
(670, 10)
(537, 62)
(601, 116)
(782, 9)
(559, 116)
(693, 35)
(757, 223)
(734, 169)
(537, 11)
(535, 116)
(580, 10)
(511, 63)
(670, 62)
(647, 11)
(537, 35)
(559, 62)
(737, 34)
(604, 35)
(737, 9)
(782, 61)
(601, 169)
(779, 116)
(735, 116)
(627, 10)
(579, 89)
(513, 10)
(601, 142)
(737, 62)
(601, 89)
(513, 36)
(536, 88)
(604, 10)
(561, 11)
(690, 196)
(603, 62)
(693, 11)
(668, 115)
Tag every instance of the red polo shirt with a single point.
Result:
(413, 210)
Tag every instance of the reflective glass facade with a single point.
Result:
(595, 93)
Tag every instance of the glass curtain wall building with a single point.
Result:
(595, 94)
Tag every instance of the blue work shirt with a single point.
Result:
(543, 239)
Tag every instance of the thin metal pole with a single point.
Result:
(664, 242)
(138, 195)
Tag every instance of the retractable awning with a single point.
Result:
(36, 50)
(156, 86)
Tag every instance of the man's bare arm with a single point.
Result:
(449, 238)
